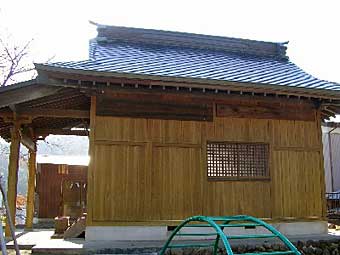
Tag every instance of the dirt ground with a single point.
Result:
(22, 252)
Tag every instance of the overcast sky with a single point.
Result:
(61, 28)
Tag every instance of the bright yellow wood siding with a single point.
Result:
(155, 170)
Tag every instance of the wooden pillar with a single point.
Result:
(322, 167)
(31, 188)
(90, 173)
(13, 175)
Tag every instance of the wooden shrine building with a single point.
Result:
(180, 124)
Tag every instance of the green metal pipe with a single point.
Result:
(218, 238)
(226, 225)
(187, 245)
(199, 219)
(274, 231)
(211, 222)
(268, 253)
(196, 234)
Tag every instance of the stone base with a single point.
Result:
(149, 233)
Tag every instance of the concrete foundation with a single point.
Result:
(302, 228)
(126, 233)
(156, 233)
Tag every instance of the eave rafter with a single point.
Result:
(99, 85)
(95, 79)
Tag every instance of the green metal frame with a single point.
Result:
(213, 222)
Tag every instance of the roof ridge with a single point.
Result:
(107, 34)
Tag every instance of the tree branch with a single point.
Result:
(12, 61)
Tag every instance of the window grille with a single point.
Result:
(230, 160)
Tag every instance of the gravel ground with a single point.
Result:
(22, 252)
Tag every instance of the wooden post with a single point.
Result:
(322, 168)
(31, 188)
(13, 175)
(90, 173)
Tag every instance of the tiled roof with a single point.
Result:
(182, 55)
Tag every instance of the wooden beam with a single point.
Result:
(9, 117)
(46, 112)
(31, 189)
(45, 132)
(28, 142)
(328, 112)
(199, 112)
(24, 94)
(13, 174)
(55, 113)
(139, 104)
(264, 112)
(155, 96)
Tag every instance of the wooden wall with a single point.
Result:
(148, 171)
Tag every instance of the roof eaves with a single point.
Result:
(200, 82)
(18, 85)
(25, 91)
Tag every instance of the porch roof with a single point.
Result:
(44, 108)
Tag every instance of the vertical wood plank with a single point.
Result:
(171, 175)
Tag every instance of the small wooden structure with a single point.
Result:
(61, 187)
(180, 125)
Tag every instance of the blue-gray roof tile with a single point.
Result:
(123, 53)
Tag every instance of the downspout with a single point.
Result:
(331, 157)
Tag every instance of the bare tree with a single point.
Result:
(13, 60)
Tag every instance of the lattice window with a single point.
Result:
(230, 160)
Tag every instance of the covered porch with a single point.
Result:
(29, 112)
